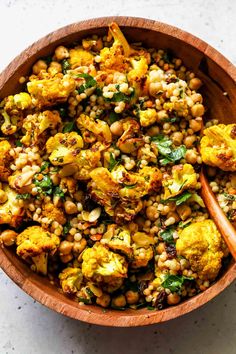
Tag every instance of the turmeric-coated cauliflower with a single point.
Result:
(71, 280)
(142, 249)
(64, 148)
(5, 158)
(11, 212)
(147, 117)
(51, 91)
(118, 239)
(52, 213)
(36, 244)
(218, 146)
(36, 124)
(101, 265)
(183, 177)
(201, 244)
(80, 57)
(98, 128)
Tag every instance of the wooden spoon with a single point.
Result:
(223, 224)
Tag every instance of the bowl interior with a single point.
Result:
(219, 95)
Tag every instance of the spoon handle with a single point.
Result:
(223, 224)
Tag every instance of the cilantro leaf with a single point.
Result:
(174, 155)
(18, 143)
(65, 66)
(163, 144)
(167, 235)
(68, 127)
(112, 162)
(44, 166)
(129, 186)
(175, 282)
(229, 196)
(58, 192)
(89, 82)
(113, 117)
(23, 196)
(179, 199)
(44, 185)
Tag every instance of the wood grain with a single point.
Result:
(223, 224)
(218, 75)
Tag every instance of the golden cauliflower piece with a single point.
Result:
(20, 101)
(98, 128)
(53, 213)
(101, 265)
(71, 280)
(137, 76)
(147, 117)
(201, 244)
(9, 126)
(118, 239)
(183, 177)
(36, 124)
(80, 57)
(116, 57)
(11, 212)
(36, 244)
(51, 91)
(218, 146)
(64, 148)
(86, 161)
(5, 158)
(142, 249)
(131, 139)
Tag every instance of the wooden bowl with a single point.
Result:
(219, 77)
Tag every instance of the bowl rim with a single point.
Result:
(113, 318)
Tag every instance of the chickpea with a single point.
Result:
(153, 131)
(191, 157)
(66, 258)
(103, 300)
(197, 110)
(79, 246)
(8, 237)
(65, 248)
(189, 140)
(38, 66)
(61, 52)
(177, 138)
(117, 128)
(196, 97)
(152, 213)
(173, 299)
(195, 84)
(70, 207)
(68, 170)
(3, 197)
(132, 297)
(184, 211)
(195, 124)
(119, 301)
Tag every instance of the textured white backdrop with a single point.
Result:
(27, 327)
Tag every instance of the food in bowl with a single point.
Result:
(100, 175)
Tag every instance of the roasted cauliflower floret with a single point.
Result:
(36, 124)
(218, 146)
(86, 161)
(64, 148)
(201, 244)
(36, 244)
(116, 57)
(118, 239)
(147, 117)
(101, 265)
(142, 249)
(53, 213)
(8, 127)
(183, 177)
(131, 139)
(11, 212)
(98, 128)
(51, 91)
(137, 76)
(80, 57)
(71, 280)
(5, 159)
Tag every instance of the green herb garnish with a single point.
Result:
(44, 166)
(164, 145)
(112, 162)
(175, 282)
(129, 186)
(113, 117)
(44, 185)
(58, 192)
(167, 235)
(179, 199)
(89, 82)
(65, 66)
(18, 143)
(68, 127)
(23, 196)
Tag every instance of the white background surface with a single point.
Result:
(27, 327)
